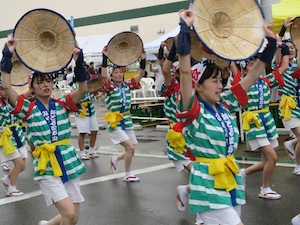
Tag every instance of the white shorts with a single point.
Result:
(226, 216)
(261, 142)
(118, 136)
(20, 152)
(54, 190)
(181, 164)
(292, 123)
(86, 124)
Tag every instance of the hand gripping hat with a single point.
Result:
(124, 48)
(44, 41)
(231, 29)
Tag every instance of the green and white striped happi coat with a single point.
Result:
(38, 133)
(170, 105)
(87, 97)
(267, 129)
(205, 138)
(114, 100)
(289, 88)
(7, 119)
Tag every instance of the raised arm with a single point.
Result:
(259, 66)
(233, 68)
(183, 51)
(161, 53)
(168, 64)
(287, 23)
(6, 67)
(138, 77)
(104, 65)
(80, 75)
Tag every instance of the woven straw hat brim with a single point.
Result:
(44, 41)
(95, 84)
(21, 89)
(169, 42)
(295, 32)
(197, 53)
(124, 48)
(19, 73)
(231, 29)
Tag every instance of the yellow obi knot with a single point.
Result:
(176, 139)
(113, 118)
(223, 169)
(287, 104)
(5, 140)
(46, 153)
(84, 105)
(249, 117)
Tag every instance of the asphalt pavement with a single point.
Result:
(110, 201)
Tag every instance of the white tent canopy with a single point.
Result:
(153, 46)
(93, 44)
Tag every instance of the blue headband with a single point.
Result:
(111, 69)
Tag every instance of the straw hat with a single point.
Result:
(124, 48)
(44, 41)
(198, 53)
(169, 42)
(21, 89)
(95, 83)
(231, 29)
(19, 73)
(295, 32)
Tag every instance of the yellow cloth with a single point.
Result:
(249, 117)
(287, 104)
(176, 140)
(46, 152)
(223, 169)
(5, 140)
(84, 105)
(113, 118)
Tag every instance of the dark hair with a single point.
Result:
(212, 70)
(42, 77)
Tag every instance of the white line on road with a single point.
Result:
(33, 194)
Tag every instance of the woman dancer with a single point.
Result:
(118, 102)
(57, 167)
(215, 183)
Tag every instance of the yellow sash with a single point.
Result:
(287, 104)
(5, 140)
(249, 117)
(84, 105)
(46, 152)
(223, 169)
(113, 118)
(176, 140)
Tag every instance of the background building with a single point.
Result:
(149, 19)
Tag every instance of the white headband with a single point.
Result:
(199, 68)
